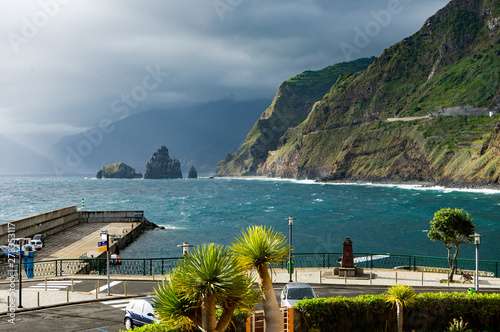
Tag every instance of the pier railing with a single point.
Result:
(150, 266)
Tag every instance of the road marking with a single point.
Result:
(98, 329)
(118, 304)
(113, 283)
(53, 285)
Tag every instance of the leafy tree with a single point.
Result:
(452, 227)
(257, 247)
(401, 296)
(208, 277)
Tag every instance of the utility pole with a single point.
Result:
(290, 263)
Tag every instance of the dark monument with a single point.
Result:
(347, 267)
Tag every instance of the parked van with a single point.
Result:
(37, 244)
(39, 237)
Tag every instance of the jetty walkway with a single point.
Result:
(71, 234)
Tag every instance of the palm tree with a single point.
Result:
(257, 247)
(401, 296)
(209, 276)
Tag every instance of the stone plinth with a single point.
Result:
(348, 272)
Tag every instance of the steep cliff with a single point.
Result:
(454, 60)
(291, 105)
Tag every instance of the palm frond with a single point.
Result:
(260, 245)
(401, 294)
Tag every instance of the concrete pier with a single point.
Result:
(70, 233)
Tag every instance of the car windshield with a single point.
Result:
(300, 293)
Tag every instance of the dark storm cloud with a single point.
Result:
(67, 64)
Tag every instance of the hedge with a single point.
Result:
(430, 312)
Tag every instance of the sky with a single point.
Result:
(68, 65)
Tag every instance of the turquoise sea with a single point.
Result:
(378, 218)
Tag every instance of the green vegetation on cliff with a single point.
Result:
(291, 105)
(454, 60)
(118, 170)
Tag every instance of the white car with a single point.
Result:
(37, 244)
(294, 292)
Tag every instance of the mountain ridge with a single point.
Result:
(291, 105)
(453, 60)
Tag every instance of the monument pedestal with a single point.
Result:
(348, 271)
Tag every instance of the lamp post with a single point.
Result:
(290, 263)
(185, 247)
(105, 237)
(21, 243)
(477, 241)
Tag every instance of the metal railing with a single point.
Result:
(149, 266)
(388, 261)
(67, 267)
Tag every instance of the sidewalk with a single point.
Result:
(382, 277)
(33, 299)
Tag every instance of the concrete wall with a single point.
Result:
(46, 223)
(124, 241)
(112, 216)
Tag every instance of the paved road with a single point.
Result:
(81, 317)
(108, 315)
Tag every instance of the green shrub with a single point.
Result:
(430, 312)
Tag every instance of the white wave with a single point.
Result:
(423, 187)
(171, 227)
(265, 178)
(388, 185)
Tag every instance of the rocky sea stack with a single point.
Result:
(193, 174)
(161, 166)
(118, 171)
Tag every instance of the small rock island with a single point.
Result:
(193, 174)
(161, 166)
(118, 170)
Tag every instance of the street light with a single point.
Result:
(477, 241)
(185, 247)
(21, 243)
(290, 263)
(105, 237)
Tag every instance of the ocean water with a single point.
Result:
(378, 218)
